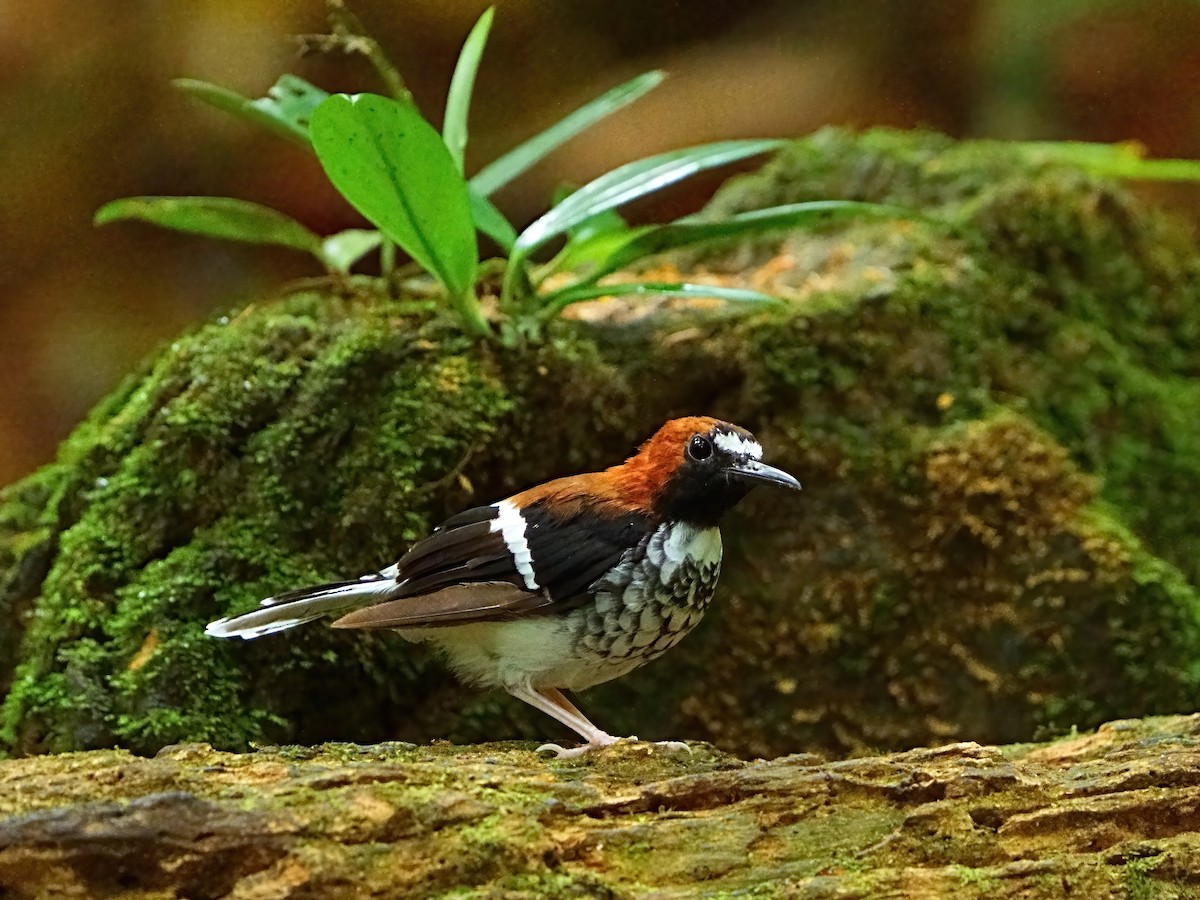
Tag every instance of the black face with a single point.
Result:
(719, 468)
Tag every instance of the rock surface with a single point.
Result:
(1114, 814)
(994, 409)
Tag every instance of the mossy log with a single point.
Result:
(994, 409)
(1114, 814)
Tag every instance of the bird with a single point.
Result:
(563, 586)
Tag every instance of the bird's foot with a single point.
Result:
(561, 752)
(597, 742)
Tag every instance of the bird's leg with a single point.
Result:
(601, 739)
(553, 703)
(557, 696)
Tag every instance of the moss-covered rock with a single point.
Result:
(1114, 814)
(993, 410)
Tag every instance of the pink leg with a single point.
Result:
(553, 703)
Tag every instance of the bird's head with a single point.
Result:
(696, 468)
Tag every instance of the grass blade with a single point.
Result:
(392, 166)
(590, 243)
(621, 185)
(1125, 160)
(217, 217)
(285, 109)
(560, 300)
(342, 250)
(490, 221)
(518, 160)
(609, 252)
(633, 180)
(462, 84)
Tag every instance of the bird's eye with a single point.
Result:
(700, 447)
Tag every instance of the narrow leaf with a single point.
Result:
(610, 252)
(342, 250)
(458, 101)
(1125, 160)
(590, 243)
(218, 217)
(605, 223)
(285, 109)
(633, 180)
(491, 221)
(515, 162)
(392, 166)
(559, 300)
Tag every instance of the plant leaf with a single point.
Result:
(605, 223)
(562, 299)
(458, 101)
(612, 251)
(285, 109)
(392, 166)
(515, 162)
(342, 250)
(590, 243)
(633, 180)
(218, 217)
(1126, 160)
(491, 221)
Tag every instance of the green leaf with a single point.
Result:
(1125, 160)
(285, 109)
(342, 250)
(491, 221)
(590, 243)
(615, 250)
(392, 166)
(563, 299)
(218, 217)
(458, 101)
(605, 223)
(512, 164)
(633, 180)
(621, 185)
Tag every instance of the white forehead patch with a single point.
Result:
(736, 445)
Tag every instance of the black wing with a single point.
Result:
(495, 562)
(468, 547)
(574, 545)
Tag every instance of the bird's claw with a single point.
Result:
(561, 752)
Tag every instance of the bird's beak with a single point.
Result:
(754, 470)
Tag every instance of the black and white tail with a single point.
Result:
(306, 604)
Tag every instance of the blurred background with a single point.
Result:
(87, 114)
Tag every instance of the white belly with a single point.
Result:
(537, 651)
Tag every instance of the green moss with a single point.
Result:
(995, 412)
(535, 885)
(249, 443)
(978, 882)
(1048, 287)
(1140, 882)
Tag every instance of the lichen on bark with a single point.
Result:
(992, 408)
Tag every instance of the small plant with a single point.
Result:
(408, 180)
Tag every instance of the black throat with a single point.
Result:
(699, 498)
